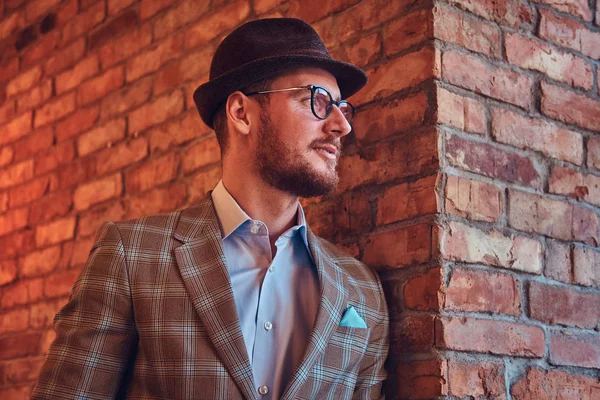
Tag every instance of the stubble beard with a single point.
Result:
(287, 171)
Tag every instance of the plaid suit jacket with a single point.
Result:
(152, 316)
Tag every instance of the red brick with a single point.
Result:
(462, 29)
(152, 59)
(325, 28)
(468, 244)
(90, 221)
(100, 137)
(9, 69)
(127, 98)
(593, 153)
(65, 57)
(42, 49)
(56, 156)
(464, 113)
(3, 201)
(398, 74)
(532, 213)
(71, 78)
(572, 183)
(91, 193)
(586, 227)
(120, 156)
(155, 112)
(193, 66)
(43, 313)
(412, 333)
(148, 8)
(473, 74)
(17, 243)
(408, 31)
(558, 261)
(115, 6)
(581, 350)
(54, 205)
(40, 262)
(22, 292)
(11, 23)
(578, 8)
(7, 111)
(35, 97)
(414, 154)
(368, 14)
(55, 232)
(100, 86)
(488, 160)
(564, 67)
(490, 336)
(37, 8)
(125, 46)
(182, 13)
(66, 12)
(33, 143)
(16, 129)
(361, 51)
(33, 190)
(390, 118)
(585, 266)
(113, 28)
(422, 379)
(201, 154)
(16, 173)
(407, 200)
(58, 285)
(569, 33)
(568, 306)
(157, 200)
(23, 370)
(479, 291)
(312, 10)
(20, 345)
(81, 120)
(16, 393)
(56, 109)
(6, 156)
(177, 132)
(81, 252)
(24, 81)
(152, 173)
(217, 22)
(8, 272)
(423, 291)
(81, 170)
(473, 199)
(13, 220)
(547, 385)
(539, 135)
(200, 183)
(400, 247)
(262, 6)
(512, 13)
(570, 107)
(84, 22)
(479, 379)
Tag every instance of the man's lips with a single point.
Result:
(327, 149)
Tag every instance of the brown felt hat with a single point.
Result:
(262, 48)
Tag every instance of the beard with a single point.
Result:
(288, 170)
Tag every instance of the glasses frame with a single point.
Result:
(313, 89)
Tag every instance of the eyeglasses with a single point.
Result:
(321, 101)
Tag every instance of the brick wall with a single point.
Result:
(471, 182)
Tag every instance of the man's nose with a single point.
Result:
(337, 123)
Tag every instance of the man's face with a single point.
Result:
(296, 152)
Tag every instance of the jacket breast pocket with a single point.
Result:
(347, 347)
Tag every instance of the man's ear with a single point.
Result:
(239, 116)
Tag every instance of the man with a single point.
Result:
(235, 297)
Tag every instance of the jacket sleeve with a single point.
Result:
(95, 330)
(372, 371)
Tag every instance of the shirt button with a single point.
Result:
(254, 229)
(270, 269)
(268, 327)
(263, 389)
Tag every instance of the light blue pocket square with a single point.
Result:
(351, 319)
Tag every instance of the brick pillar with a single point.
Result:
(471, 181)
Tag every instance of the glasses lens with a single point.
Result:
(347, 109)
(321, 102)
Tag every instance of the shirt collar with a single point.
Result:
(231, 215)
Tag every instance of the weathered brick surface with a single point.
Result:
(98, 87)
(100, 137)
(423, 291)
(581, 350)
(152, 173)
(412, 333)
(570, 107)
(88, 194)
(54, 110)
(40, 262)
(579, 8)
(585, 266)
(71, 78)
(155, 112)
(408, 31)
(540, 384)
(401, 247)
(407, 200)
(476, 379)
(558, 264)
(55, 232)
(461, 112)
(473, 199)
(512, 13)
(572, 183)
(570, 33)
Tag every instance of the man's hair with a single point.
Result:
(220, 118)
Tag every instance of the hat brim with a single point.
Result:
(212, 94)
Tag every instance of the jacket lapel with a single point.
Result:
(334, 297)
(201, 261)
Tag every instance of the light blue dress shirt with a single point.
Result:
(276, 297)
